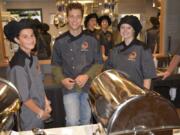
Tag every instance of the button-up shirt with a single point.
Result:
(133, 60)
(76, 55)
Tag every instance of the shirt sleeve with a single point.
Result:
(109, 63)
(19, 78)
(102, 40)
(96, 68)
(57, 73)
(147, 64)
(56, 55)
(56, 62)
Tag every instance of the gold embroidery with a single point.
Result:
(84, 46)
(132, 56)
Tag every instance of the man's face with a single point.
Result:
(74, 19)
(92, 23)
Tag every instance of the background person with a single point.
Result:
(153, 35)
(90, 24)
(46, 38)
(105, 36)
(173, 64)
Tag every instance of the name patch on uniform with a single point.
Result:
(132, 56)
(84, 46)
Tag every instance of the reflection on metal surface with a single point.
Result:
(120, 105)
(146, 131)
(9, 103)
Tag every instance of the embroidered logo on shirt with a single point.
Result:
(84, 46)
(132, 56)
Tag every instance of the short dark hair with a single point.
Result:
(104, 17)
(88, 17)
(71, 6)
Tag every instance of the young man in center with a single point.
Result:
(75, 61)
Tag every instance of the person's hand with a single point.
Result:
(68, 83)
(43, 115)
(48, 106)
(104, 57)
(81, 80)
(164, 75)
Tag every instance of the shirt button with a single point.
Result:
(72, 58)
(71, 50)
(73, 67)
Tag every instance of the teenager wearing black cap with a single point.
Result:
(24, 72)
(105, 36)
(90, 24)
(131, 56)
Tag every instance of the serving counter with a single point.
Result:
(95, 129)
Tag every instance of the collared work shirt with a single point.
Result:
(134, 60)
(76, 55)
(25, 75)
(106, 40)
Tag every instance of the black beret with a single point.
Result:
(88, 17)
(13, 28)
(104, 17)
(133, 21)
(10, 30)
(37, 24)
(44, 27)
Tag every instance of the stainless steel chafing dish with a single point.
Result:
(124, 108)
(9, 104)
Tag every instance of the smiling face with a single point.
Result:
(92, 23)
(26, 40)
(127, 31)
(104, 24)
(74, 19)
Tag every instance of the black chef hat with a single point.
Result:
(44, 27)
(104, 17)
(133, 21)
(88, 17)
(13, 28)
(37, 24)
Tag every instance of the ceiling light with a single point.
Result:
(84, 1)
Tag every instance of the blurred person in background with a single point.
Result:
(105, 36)
(90, 24)
(173, 64)
(153, 35)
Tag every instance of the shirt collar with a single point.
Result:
(25, 55)
(73, 38)
(125, 47)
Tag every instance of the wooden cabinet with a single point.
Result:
(2, 49)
